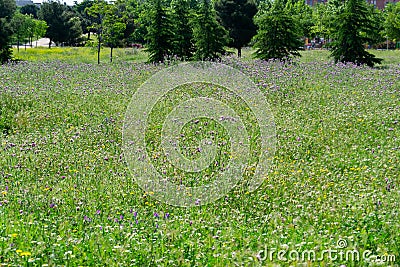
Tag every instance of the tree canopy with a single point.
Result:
(392, 21)
(203, 29)
(237, 18)
(64, 25)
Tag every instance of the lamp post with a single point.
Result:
(387, 43)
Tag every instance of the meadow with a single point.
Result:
(67, 197)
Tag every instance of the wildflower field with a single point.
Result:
(67, 197)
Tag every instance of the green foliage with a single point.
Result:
(209, 36)
(354, 28)
(73, 24)
(127, 12)
(52, 13)
(40, 28)
(86, 20)
(237, 18)
(324, 15)
(302, 14)
(30, 10)
(392, 21)
(7, 9)
(159, 32)
(142, 22)
(376, 32)
(183, 47)
(113, 31)
(278, 36)
(109, 26)
(64, 25)
(22, 25)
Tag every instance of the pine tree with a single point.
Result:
(183, 33)
(278, 36)
(354, 25)
(159, 33)
(7, 8)
(237, 18)
(209, 36)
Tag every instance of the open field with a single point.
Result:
(89, 55)
(79, 54)
(67, 197)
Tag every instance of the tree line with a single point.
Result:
(203, 29)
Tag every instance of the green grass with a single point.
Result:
(307, 56)
(79, 54)
(89, 55)
(68, 199)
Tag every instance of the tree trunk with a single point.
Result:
(18, 44)
(49, 43)
(239, 52)
(98, 52)
(111, 54)
(88, 35)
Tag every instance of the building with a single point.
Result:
(24, 2)
(315, 2)
(380, 4)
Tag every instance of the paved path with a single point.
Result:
(42, 42)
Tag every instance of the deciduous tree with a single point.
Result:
(20, 24)
(392, 21)
(30, 10)
(40, 29)
(52, 13)
(237, 18)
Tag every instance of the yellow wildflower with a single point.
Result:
(25, 253)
